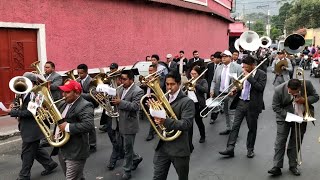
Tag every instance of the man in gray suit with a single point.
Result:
(285, 74)
(173, 66)
(129, 105)
(85, 80)
(289, 98)
(78, 116)
(177, 151)
(31, 135)
(54, 78)
(221, 80)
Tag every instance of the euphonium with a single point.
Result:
(190, 85)
(70, 74)
(48, 111)
(161, 102)
(19, 85)
(36, 65)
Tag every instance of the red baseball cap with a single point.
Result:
(70, 86)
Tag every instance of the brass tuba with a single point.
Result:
(48, 111)
(161, 102)
(19, 85)
(38, 71)
(70, 74)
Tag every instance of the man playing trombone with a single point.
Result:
(249, 104)
(286, 99)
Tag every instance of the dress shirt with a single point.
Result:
(173, 96)
(83, 80)
(125, 91)
(244, 85)
(48, 75)
(226, 82)
(64, 113)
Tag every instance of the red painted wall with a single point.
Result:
(98, 32)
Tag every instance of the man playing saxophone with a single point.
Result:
(177, 151)
(287, 98)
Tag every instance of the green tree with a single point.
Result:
(275, 33)
(259, 27)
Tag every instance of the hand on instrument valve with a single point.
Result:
(284, 68)
(299, 99)
(62, 126)
(159, 121)
(116, 100)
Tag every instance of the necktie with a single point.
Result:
(171, 97)
(64, 113)
(246, 91)
(223, 77)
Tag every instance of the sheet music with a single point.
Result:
(158, 113)
(3, 107)
(293, 118)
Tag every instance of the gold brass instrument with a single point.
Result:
(38, 71)
(102, 98)
(70, 74)
(49, 112)
(278, 67)
(161, 102)
(190, 85)
(238, 84)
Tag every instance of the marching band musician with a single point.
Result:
(221, 80)
(78, 115)
(248, 104)
(177, 151)
(85, 80)
(286, 99)
(129, 106)
(31, 136)
(111, 126)
(201, 88)
(281, 77)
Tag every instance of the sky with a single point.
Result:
(251, 6)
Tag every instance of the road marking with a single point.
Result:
(10, 141)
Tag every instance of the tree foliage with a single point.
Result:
(259, 27)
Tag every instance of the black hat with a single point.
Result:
(135, 71)
(113, 66)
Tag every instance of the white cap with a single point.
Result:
(169, 56)
(226, 52)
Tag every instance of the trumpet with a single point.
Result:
(190, 85)
(238, 84)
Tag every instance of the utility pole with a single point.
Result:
(268, 28)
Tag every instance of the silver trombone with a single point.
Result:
(236, 84)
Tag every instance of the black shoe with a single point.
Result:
(227, 152)
(103, 128)
(212, 121)
(250, 154)
(126, 176)
(136, 163)
(19, 178)
(202, 140)
(93, 148)
(49, 170)
(111, 165)
(150, 137)
(295, 171)
(275, 171)
(225, 132)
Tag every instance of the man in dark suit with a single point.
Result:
(172, 65)
(249, 104)
(85, 80)
(289, 98)
(196, 60)
(78, 116)
(177, 151)
(54, 78)
(31, 135)
(129, 105)
(182, 63)
(212, 66)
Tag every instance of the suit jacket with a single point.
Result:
(30, 130)
(86, 91)
(258, 84)
(210, 72)
(173, 66)
(191, 63)
(215, 84)
(80, 116)
(56, 80)
(184, 66)
(284, 73)
(282, 100)
(201, 90)
(184, 109)
(129, 109)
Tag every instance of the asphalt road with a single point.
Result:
(206, 163)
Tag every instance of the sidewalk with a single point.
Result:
(9, 125)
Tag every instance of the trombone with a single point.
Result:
(307, 117)
(238, 84)
(190, 85)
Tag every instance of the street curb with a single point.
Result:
(9, 134)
